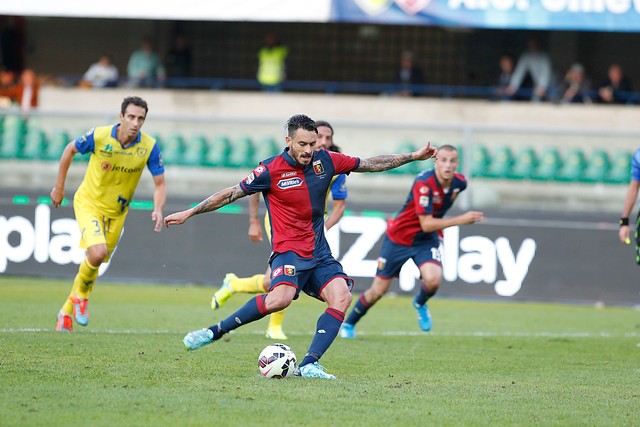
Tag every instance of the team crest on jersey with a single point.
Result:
(374, 7)
(289, 183)
(317, 167)
(141, 151)
(249, 179)
(424, 190)
(412, 7)
(424, 201)
(382, 263)
(289, 270)
(277, 272)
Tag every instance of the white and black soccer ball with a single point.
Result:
(277, 361)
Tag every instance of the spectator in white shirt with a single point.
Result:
(101, 74)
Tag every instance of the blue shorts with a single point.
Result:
(310, 275)
(393, 256)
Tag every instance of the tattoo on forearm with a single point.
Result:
(219, 199)
(383, 162)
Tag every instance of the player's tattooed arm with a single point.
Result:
(219, 199)
(383, 162)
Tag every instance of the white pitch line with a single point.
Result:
(471, 334)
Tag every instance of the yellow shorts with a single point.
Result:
(96, 228)
(267, 226)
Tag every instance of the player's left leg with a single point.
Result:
(431, 275)
(367, 299)
(337, 295)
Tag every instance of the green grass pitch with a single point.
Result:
(485, 363)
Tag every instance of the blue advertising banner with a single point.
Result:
(582, 15)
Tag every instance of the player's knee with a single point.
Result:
(342, 301)
(432, 284)
(96, 256)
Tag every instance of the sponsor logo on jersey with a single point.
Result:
(107, 151)
(424, 190)
(317, 167)
(288, 174)
(277, 272)
(382, 263)
(424, 201)
(258, 170)
(437, 198)
(249, 179)
(105, 166)
(289, 270)
(117, 168)
(288, 183)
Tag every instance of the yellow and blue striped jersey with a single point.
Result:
(114, 171)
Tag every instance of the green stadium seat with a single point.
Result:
(620, 172)
(267, 147)
(479, 161)
(217, 152)
(172, 149)
(525, 164)
(10, 145)
(242, 152)
(550, 165)
(194, 149)
(573, 166)
(13, 124)
(500, 164)
(598, 167)
(411, 168)
(34, 144)
(55, 145)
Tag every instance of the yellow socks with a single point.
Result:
(248, 285)
(275, 319)
(82, 284)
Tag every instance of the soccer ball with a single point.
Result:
(276, 361)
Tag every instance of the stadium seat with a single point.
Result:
(479, 161)
(550, 165)
(598, 167)
(573, 166)
(242, 152)
(267, 147)
(411, 168)
(194, 149)
(620, 172)
(217, 152)
(500, 164)
(34, 144)
(55, 145)
(525, 164)
(172, 149)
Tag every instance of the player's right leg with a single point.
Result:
(254, 309)
(431, 275)
(368, 298)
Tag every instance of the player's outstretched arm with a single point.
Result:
(429, 224)
(159, 200)
(211, 203)
(391, 161)
(57, 194)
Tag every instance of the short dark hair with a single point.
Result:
(448, 147)
(137, 101)
(325, 124)
(300, 121)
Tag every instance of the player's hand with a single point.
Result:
(472, 217)
(157, 217)
(623, 234)
(57, 195)
(176, 218)
(425, 153)
(255, 231)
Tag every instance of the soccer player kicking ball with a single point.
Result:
(119, 154)
(295, 184)
(414, 233)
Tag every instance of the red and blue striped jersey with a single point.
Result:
(295, 198)
(426, 197)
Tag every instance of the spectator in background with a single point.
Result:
(25, 93)
(616, 89)
(537, 64)
(101, 74)
(272, 64)
(409, 75)
(144, 68)
(178, 60)
(504, 78)
(575, 87)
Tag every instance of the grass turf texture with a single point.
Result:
(485, 363)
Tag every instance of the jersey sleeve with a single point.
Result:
(635, 166)
(339, 187)
(343, 163)
(154, 163)
(422, 200)
(258, 180)
(85, 143)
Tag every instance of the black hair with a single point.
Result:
(325, 124)
(137, 101)
(300, 121)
